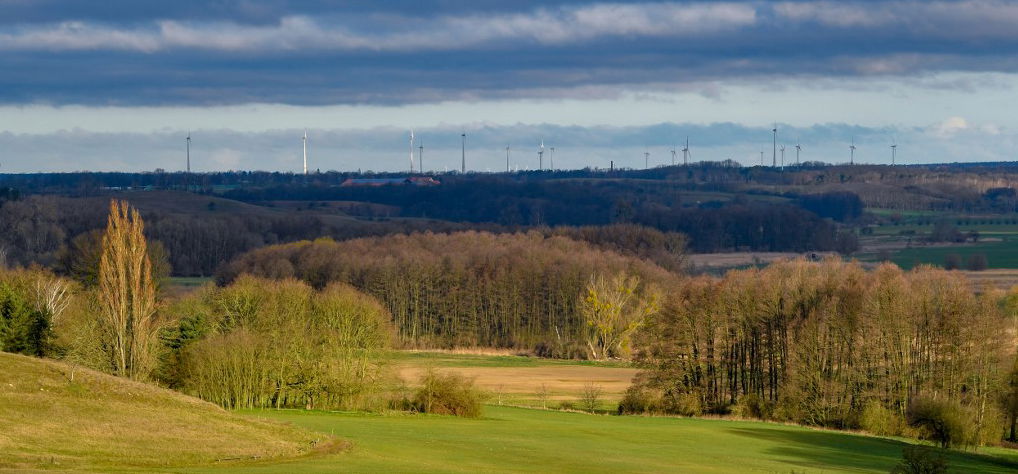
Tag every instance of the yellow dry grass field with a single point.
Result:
(1002, 278)
(742, 259)
(562, 382)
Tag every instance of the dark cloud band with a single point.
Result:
(311, 52)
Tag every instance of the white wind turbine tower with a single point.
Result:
(782, 156)
(646, 159)
(540, 156)
(673, 155)
(188, 152)
(798, 148)
(685, 153)
(894, 150)
(774, 157)
(851, 159)
(411, 151)
(507, 170)
(305, 152)
(420, 157)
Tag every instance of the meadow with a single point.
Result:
(528, 440)
(998, 239)
(526, 381)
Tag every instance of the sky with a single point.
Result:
(117, 85)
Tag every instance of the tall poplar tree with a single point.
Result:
(127, 293)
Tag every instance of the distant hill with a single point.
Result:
(55, 416)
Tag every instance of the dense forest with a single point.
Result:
(60, 232)
(717, 206)
(712, 225)
(64, 233)
(466, 289)
(832, 344)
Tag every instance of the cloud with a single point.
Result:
(565, 25)
(319, 52)
(950, 127)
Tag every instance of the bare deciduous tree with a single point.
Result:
(614, 309)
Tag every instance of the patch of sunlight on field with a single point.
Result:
(526, 440)
(58, 417)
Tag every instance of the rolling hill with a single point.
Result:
(56, 416)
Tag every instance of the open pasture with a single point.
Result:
(526, 440)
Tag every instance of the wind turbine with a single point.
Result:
(305, 152)
(782, 156)
(411, 151)
(188, 152)
(798, 148)
(540, 156)
(851, 147)
(673, 156)
(774, 157)
(685, 153)
(894, 150)
(646, 159)
(420, 157)
(761, 158)
(551, 159)
(507, 159)
(463, 163)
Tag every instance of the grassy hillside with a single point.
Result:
(53, 417)
(524, 440)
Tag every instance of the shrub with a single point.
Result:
(23, 328)
(260, 343)
(686, 404)
(879, 420)
(938, 420)
(639, 400)
(977, 262)
(921, 460)
(751, 406)
(952, 261)
(590, 396)
(448, 394)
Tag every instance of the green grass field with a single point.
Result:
(51, 420)
(1001, 254)
(524, 440)
(998, 238)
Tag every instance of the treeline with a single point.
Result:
(65, 233)
(832, 344)
(711, 226)
(466, 289)
(60, 233)
(256, 343)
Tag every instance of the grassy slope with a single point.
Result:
(517, 439)
(99, 422)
